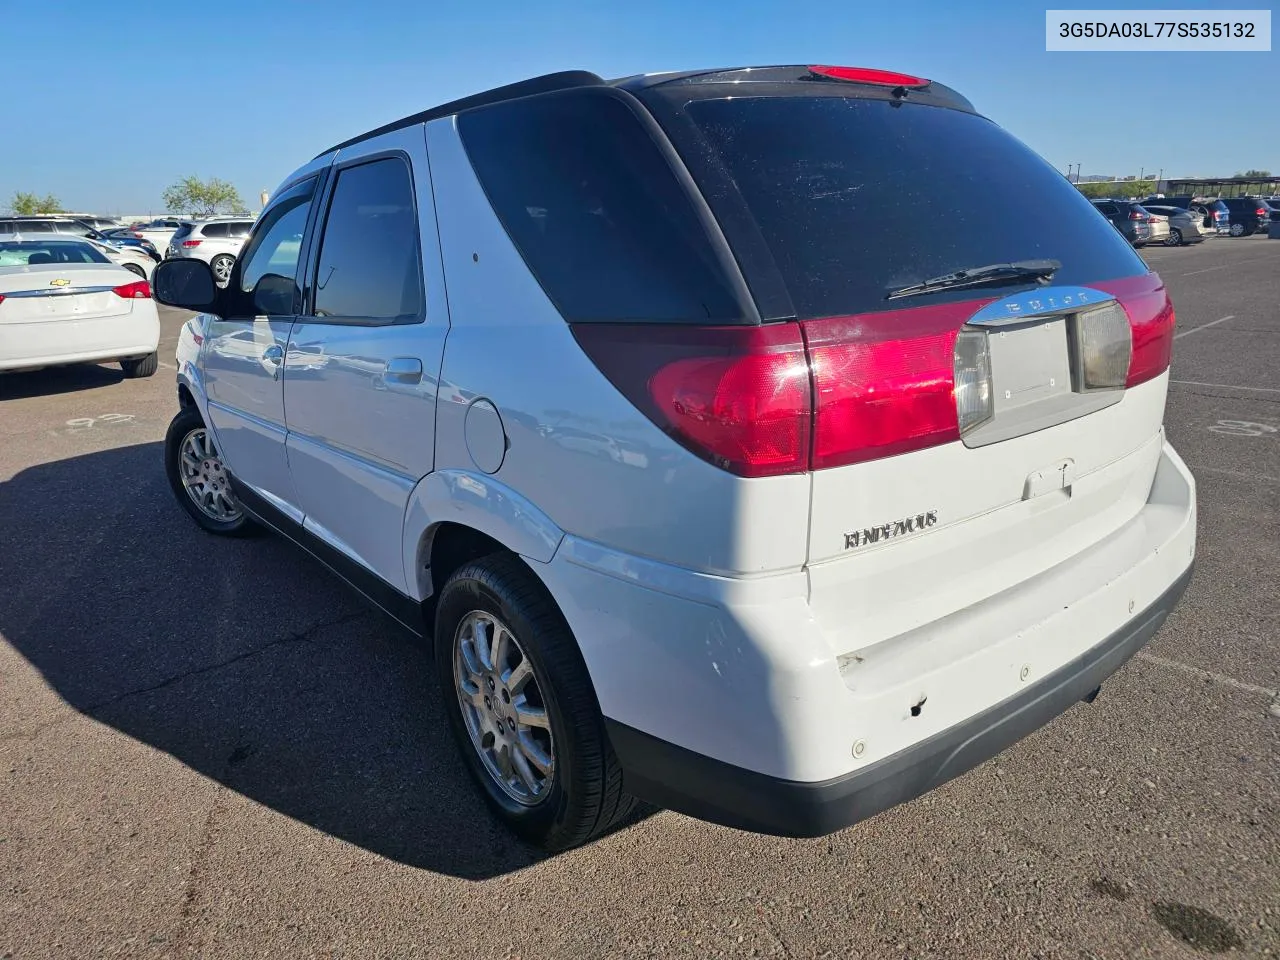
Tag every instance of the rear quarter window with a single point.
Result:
(592, 204)
(845, 193)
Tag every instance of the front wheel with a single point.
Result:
(522, 706)
(198, 476)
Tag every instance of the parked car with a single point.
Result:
(1133, 222)
(1215, 216)
(872, 525)
(126, 237)
(157, 232)
(215, 241)
(1183, 224)
(50, 290)
(1248, 215)
(134, 259)
(47, 223)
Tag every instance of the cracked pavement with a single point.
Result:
(210, 748)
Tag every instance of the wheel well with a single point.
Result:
(453, 545)
(185, 399)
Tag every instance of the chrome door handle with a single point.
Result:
(403, 370)
(273, 354)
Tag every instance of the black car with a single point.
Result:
(1248, 215)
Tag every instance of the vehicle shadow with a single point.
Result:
(51, 380)
(241, 658)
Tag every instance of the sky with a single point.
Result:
(124, 98)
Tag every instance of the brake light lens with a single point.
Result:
(138, 290)
(738, 397)
(885, 78)
(191, 243)
(1135, 215)
(884, 382)
(1262, 211)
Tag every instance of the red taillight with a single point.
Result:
(1135, 215)
(1261, 211)
(736, 396)
(885, 78)
(136, 234)
(138, 290)
(884, 383)
(191, 243)
(1151, 321)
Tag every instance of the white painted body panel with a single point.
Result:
(745, 672)
(62, 328)
(360, 439)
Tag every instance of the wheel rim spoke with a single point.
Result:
(200, 469)
(503, 708)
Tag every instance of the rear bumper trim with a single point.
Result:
(688, 782)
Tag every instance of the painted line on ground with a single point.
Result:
(1222, 266)
(167, 366)
(1223, 386)
(1205, 326)
(1206, 674)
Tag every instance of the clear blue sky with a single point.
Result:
(248, 90)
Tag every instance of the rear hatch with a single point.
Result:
(965, 435)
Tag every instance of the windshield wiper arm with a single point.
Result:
(1039, 270)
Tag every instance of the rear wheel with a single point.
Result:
(199, 478)
(522, 706)
(1174, 239)
(1237, 230)
(141, 367)
(221, 266)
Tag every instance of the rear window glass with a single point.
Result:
(15, 253)
(844, 192)
(184, 231)
(593, 207)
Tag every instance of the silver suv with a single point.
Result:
(714, 480)
(216, 241)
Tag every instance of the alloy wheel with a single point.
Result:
(205, 478)
(503, 708)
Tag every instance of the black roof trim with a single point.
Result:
(564, 80)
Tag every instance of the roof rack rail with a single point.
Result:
(564, 80)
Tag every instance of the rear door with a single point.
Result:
(363, 362)
(243, 351)
(964, 439)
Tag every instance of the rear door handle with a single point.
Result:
(273, 356)
(404, 370)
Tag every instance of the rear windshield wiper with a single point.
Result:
(1039, 270)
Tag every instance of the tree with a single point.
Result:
(1128, 188)
(28, 204)
(1256, 174)
(203, 198)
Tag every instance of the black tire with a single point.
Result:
(134, 268)
(187, 420)
(1238, 230)
(142, 367)
(586, 797)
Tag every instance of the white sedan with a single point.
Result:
(62, 301)
(133, 259)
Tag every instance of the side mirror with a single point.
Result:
(274, 296)
(184, 283)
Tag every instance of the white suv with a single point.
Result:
(216, 241)
(716, 480)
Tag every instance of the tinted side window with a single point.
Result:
(214, 230)
(274, 247)
(239, 229)
(837, 186)
(593, 207)
(369, 261)
(35, 226)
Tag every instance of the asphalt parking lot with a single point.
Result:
(209, 748)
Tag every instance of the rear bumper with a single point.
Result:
(30, 346)
(682, 780)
